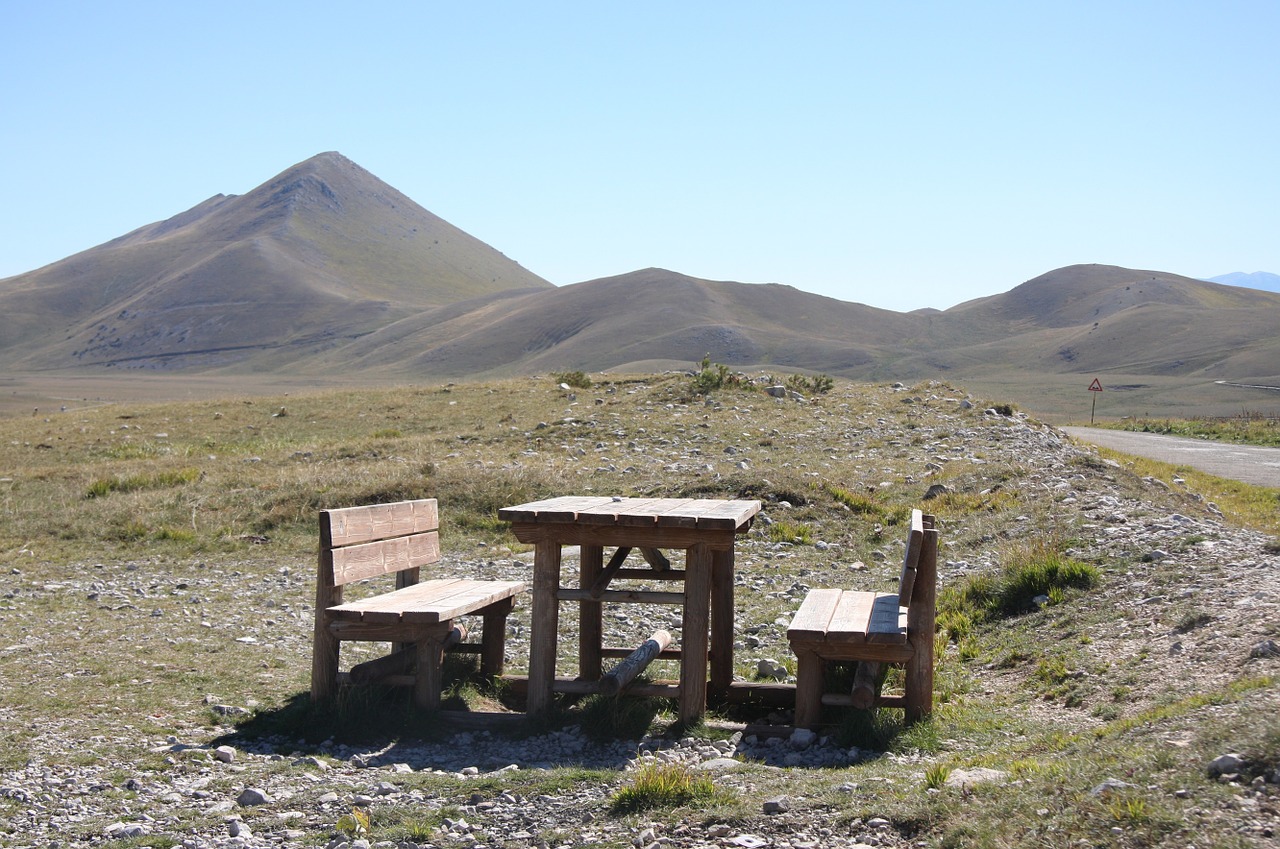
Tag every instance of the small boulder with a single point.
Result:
(777, 805)
(251, 796)
(1228, 764)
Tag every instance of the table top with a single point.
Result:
(698, 513)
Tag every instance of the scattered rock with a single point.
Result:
(1111, 785)
(1265, 649)
(1228, 764)
(966, 778)
(252, 796)
(777, 805)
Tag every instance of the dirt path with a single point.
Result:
(1248, 463)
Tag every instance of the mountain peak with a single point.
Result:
(323, 251)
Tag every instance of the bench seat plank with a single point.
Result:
(888, 621)
(814, 615)
(428, 602)
(852, 617)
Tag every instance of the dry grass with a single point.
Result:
(158, 553)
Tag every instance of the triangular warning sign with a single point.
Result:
(1095, 386)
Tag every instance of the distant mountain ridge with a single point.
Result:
(326, 269)
(1264, 280)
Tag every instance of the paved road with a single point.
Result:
(1248, 463)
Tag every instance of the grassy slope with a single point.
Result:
(201, 530)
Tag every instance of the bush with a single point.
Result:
(712, 376)
(576, 379)
(804, 384)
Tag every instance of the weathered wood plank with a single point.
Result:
(609, 536)
(562, 509)
(371, 559)
(470, 597)
(387, 603)
(631, 596)
(352, 525)
(814, 615)
(888, 621)
(911, 558)
(428, 602)
(851, 618)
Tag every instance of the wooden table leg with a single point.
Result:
(590, 617)
(721, 621)
(544, 627)
(694, 634)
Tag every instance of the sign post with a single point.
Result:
(1095, 388)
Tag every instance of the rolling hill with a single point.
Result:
(327, 270)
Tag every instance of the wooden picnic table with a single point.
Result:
(705, 529)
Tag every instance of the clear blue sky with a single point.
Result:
(896, 154)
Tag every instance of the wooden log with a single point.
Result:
(656, 559)
(398, 662)
(616, 679)
(619, 651)
(866, 684)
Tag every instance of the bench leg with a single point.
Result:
(919, 685)
(809, 668)
(324, 662)
(493, 642)
(428, 681)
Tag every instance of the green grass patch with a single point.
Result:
(1038, 568)
(148, 480)
(797, 533)
(1248, 428)
(658, 785)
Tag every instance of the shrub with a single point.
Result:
(575, 379)
(711, 376)
(805, 384)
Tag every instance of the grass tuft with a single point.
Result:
(662, 785)
(1038, 568)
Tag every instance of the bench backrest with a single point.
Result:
(378, 539)
(911, 564)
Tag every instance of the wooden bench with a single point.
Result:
(358, 543)
(871, 629)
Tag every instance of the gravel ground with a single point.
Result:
(194, 788)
